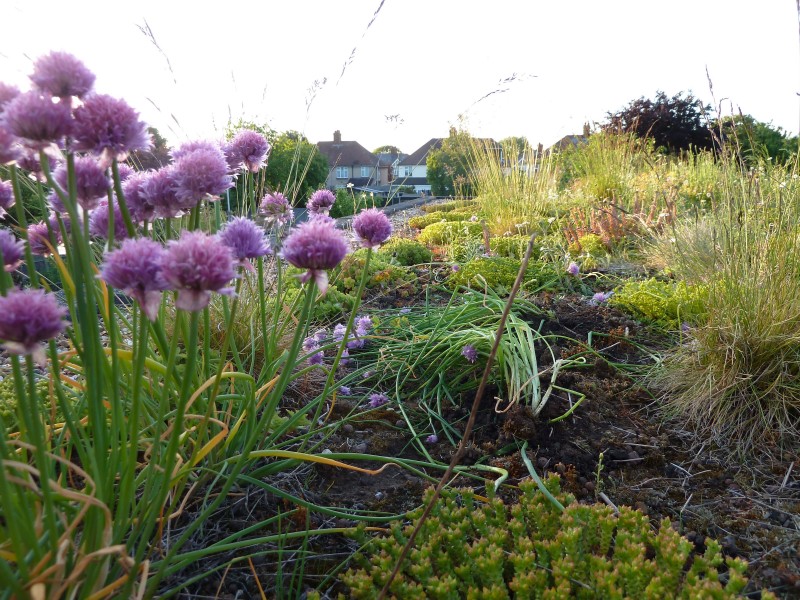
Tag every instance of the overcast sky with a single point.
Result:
(506, 67)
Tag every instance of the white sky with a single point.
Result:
(426, 61)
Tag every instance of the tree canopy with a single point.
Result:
(156, 157)
(756, 140)
(675, 124)
(448, 166)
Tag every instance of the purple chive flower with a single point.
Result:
(158, 190)
(200, 174)
(196, 265)
(29, 161)
(39, 237)
(276, 209)
(432, 439)
(470, 353)
(109, 127)
(98, 222)
(376, 400)
(249, 150)
(310, 343)
(338, 332)
(316, 246)
(455, 268)
(91, 181)
(372, 227)
(320, 202)
(245, 239)
(125, 171)
(355, 344)
(600, 298)
(344, 358)
(363, 326)
(405, 310)
(139, 207)
(316, 358)
(135, 268)
(12, 250)
(55, 228)
(7, 93)
(62, 75)
(193, 146)
(344, 390)
(473, 219)
(573, 269)
(320, 335)
(6, 197)
(9, 145)
(28, 318)
(37, 120)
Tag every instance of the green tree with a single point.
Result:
(675, 124)
(756, 140)
(448, 166)
(156, 157)
(295, 167)
(386, 148)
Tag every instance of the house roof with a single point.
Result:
(346, 154)
(568, 141)
(419, 156)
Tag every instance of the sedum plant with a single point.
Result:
(439, 234)
(477, 548)
(406, 252)
(665, 303)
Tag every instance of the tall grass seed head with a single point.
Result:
(316, 246)
(62, 75)
(27, 318)
(372, 227)
(38, 120)
(245, 239)
(98, 222)
(321, 202)
(12, 249)
(109, 127)
(195, 265)
(276, 209)
(135, 268)
(248, 150)
(6, 197)
(200, 174)
(91, 182)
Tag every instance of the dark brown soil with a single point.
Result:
(657, 465)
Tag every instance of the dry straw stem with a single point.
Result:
(470, 423)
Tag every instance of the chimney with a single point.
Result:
(337, 136)
(586, 131)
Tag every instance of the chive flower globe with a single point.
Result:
(276, 209)
(91, 182)
(7, 93)
(198, 175)
(245, 239)
(98, 222)
(247, 150)
(109, 127)
(573, 269)
(139, 207)
(316, 246)
(9, 146)
(37, 120)
(38, 237)
(320, 202)
(62, 75)
(12, 250)
(6, 197)
(470, 353)
(372, 227)
(28, 318)
(376, 400)
(159, 191)
(195, 265)
(189, 147)
(135, 268)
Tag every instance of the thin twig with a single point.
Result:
(470, 423)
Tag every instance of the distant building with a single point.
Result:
(413, 169)
(350, 162)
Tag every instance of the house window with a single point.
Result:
(342, 172)
(407, 171)
(365, 171)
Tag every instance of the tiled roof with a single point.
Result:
(419, 156)
(346, 154)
